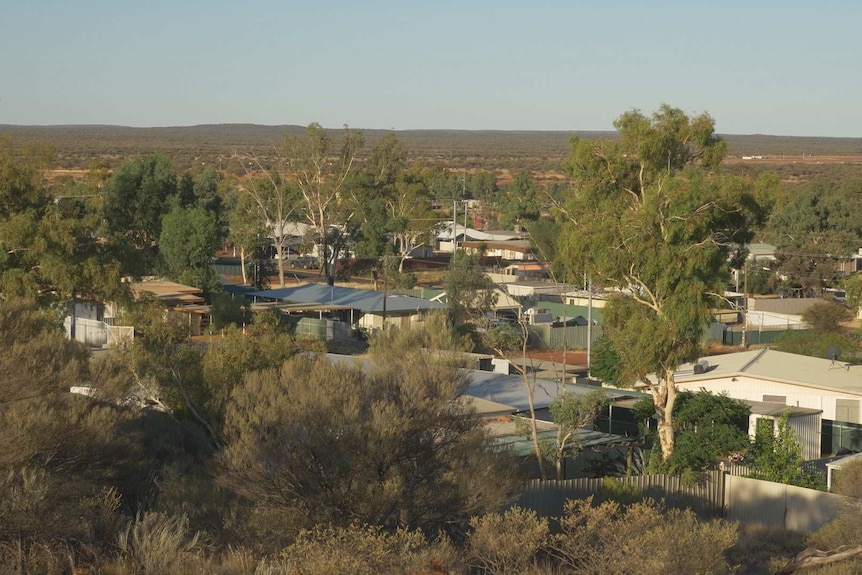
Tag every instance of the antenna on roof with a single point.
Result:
(832, 354)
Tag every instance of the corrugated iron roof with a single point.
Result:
(791, 368)
(367, 301)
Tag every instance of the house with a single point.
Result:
(849, 265)
(451, 236)
(529, 271)
(583, 298)
(537, 289)
(357, 308)
(825, 385)
(96, 323)
(509, 250)
(510, 390)
(505, 307)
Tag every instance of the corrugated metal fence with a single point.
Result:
(544, 336)
(778, 505)
(89, 331)
(715, 494)
(706, 496)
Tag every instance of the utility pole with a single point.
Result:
(744, 303)
(464, 199)
(454, 224)
(589, 324)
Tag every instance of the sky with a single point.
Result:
(770, 67)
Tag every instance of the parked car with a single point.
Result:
(305, 262)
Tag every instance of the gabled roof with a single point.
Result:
(445, 233)
(504, 300)
(167, 291)
(779, 366)
(366, 301)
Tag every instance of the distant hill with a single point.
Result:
(77, 145)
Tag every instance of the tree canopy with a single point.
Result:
(317, 442)
(136, 198)
(470, 293)
(189, 238)
(650, 216)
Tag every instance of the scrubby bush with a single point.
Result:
(158, 544)
(363, 550)
(507, 543)
(641, 538)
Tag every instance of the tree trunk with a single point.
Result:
(279, 250)
(534, 430)
(664, 396)
(242, 266)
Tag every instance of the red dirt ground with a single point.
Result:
(573, 357)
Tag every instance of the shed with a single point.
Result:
(805, 423)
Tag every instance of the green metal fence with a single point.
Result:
(733, 336)
(543, 336)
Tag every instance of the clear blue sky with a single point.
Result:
(783, 68)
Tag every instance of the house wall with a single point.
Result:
(374, 321)
(797, 395)
(501, 278)
(583, 301)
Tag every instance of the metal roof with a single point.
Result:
(772, 409)
(510, 390)
(367, 301)
(779, 366)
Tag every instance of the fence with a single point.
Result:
(322, 328)
(89, 331)
(733, 336)
(706, 497)
(777, 505)
(544, 336)
(717, 494)
(120, 334)
(98, 333)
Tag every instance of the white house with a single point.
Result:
(785, 379)
(450, 236)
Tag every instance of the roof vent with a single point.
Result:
(701, 367)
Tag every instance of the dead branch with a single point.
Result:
(815, 558)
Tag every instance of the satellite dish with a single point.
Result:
(833, 353)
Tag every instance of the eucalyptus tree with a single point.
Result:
(393, 203)
(276, 202)
(650, 215)
(139, 193)
(321, 171)
(247, 230)
(50, 250)
(815, 227)
(189, 238)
